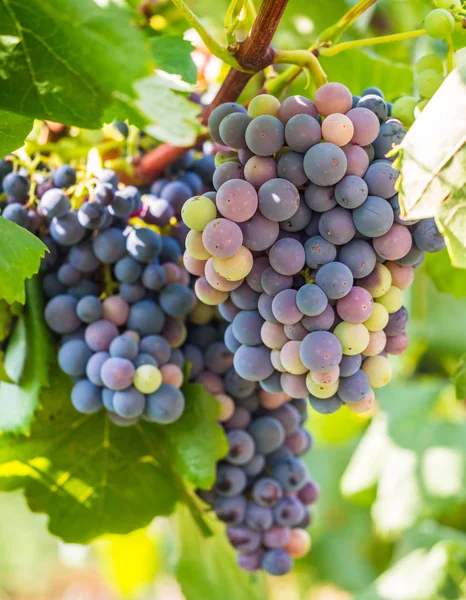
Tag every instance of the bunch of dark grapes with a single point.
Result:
(116, 294)
(262, 491)
(303, 245)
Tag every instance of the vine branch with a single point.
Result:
(253, 55)
(383, 39)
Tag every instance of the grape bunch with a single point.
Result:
(116, 295)
(262, 490)
(303, 246)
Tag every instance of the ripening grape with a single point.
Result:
(333, 98)
(356, 306)
(263, 104)
(217, 281)
(301, 132)
(376, 345)
(290, 358)
(320, 390)
(357, 160)
(237, 200)
(235, 267)
(392, 299)
(394, 244)
(378, 318)
(378, 370)
(296, 105)
(273, 335)
(378, 282)
(337, 129)
(285, 309)
(198, 212)
(353, 337)
(366, 126)
(320, 351)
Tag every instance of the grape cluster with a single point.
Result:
(303, 246)
(116, 295)
(262, 490)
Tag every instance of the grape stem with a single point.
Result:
(302, 59)
(383, 39)
(211, 43)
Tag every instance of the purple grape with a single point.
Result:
(273, 282)
(153, 277)
(413, 259)
(319, 252)
(52, 286)
(230, 340)
(231, 510)
(276, 537)
(255, 466)
(117, 374)
(351, 191)
(247, 327)
(302, 132)
(176, 193)
(259, 169)
(427, 236)
(296, 105)
(366, 125)
(265, 135)
(374, 217)
(238, 387)
(299, 442)
(240, 447)
(357, 158)
(54, 203)
(218, 114)
(290, 473)
(287, 256)
(327, 406)
(156, 346)
(325, 164)
(264, 307)
(336, 226)
(94, 366)
(73, 357)
(288, 512)
(239, 420)
(124, 346)
(166, 405)
(244, 297)
(311, 300)
(226, 172)
(290, 167)
(309, 493)
(266, 492)
(259, 233)
(109, 245)
(60, 314)
(354, 388)
(359, 257)
(376, 104)
(320, 198)
(67, 230)
(251, 561)
(335, 279)
(253, 279)
(391, 134)
(268, 434)
(381, 179)
(285, 309)
(129, 403)
(356, 306)
(89, 309)
(232, 130)
(146, 317)
(236, 200)
(218, 358)
(272, 384)
(397, 322)
(278, 199)
(320, 351)
(323, 322)
(86, 397)
(350, 365)
(68, 274)
(244, 154)
(277, 562)
(228, 310)
(243, 539)
(230, 480)
(299, 220)
(258, 518)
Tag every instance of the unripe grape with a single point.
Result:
(353, 337)
(428, 82)
(439, 23)
(197, 212)
(378, 319)
(147, 379)
(235, 267)
(378, 369)
(392, 299)
(320, 390)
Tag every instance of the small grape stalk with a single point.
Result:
(303, 246)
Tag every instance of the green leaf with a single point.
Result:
(173, 54)
(13, 129)
(110, 479)
(446, 278)
(195, 442)
(460, 379)
(207, 568)
(64, 61)
(169, 115)
(358, 70)
(3, 374)
(16, 352)
(19, 260)
(33, 350)
(433, 164)
(6, 320)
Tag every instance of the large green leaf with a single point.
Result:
(13, 129)
(446, 278)
(27, 363)
(64, 60)
(173, 54)
(433, 164)
(19, 260)
(92, 477)
(358, 70)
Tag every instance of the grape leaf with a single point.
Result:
(32, 353)
(64, 61)
(19, 260)
(109, 479)
(173, 54)
(433, 164)
(13, 129)
(446, 278)
(6, 320)
(358, 70)
(207, 568)
(460, 379)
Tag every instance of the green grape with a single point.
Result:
(378, 319)
(403, 109)
(378, 370)
(353, 337)
(447, 4)
(225, 156)
(147, 379)
(320, 390)
(235, 267)
(428, 82)
(378, 282)
(264, 104)
(439, 23)
(392, 300)
(195, 247)
(420, 107)
(198, 212)
(429, 61)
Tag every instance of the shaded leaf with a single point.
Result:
(173, 54)
(446, 278)
(16, 352)
(13, 130)
(19, 401)
(63, 62)
(460, 379)
(19, 260)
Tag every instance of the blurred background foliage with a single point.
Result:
(391, 520)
